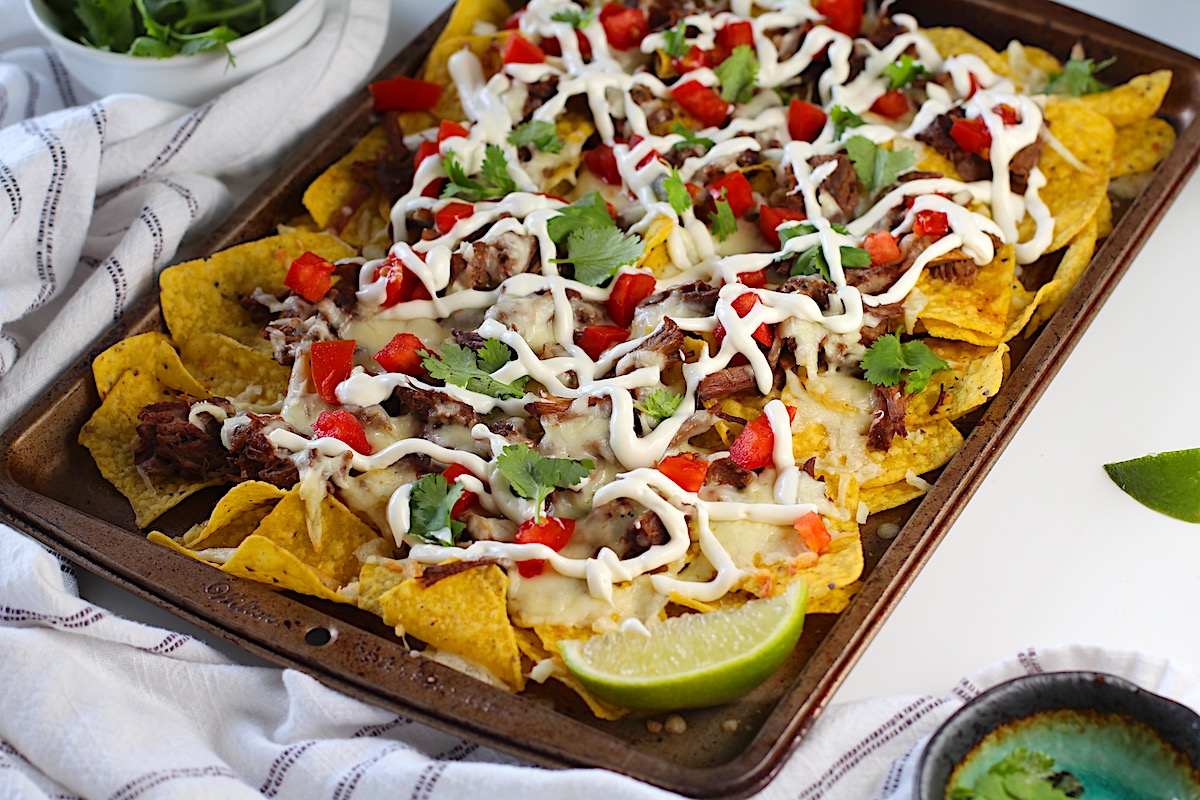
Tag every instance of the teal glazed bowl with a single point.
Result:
(1121, 741)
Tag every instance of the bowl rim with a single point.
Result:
(1000, 692)
(38, 11)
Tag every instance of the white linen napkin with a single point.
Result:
(97, 706)
(96, 195)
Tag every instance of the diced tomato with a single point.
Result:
(402, 283)
(694, 58)
(551, 531)
(742, 305)
(646, 159)
(343, 426)
(686, 469)
(403, 93)
(552, 47)
(1007, 113)
(733, 35)
(770, 218)
(449, 129)
(882, 247)
(514, 20)
(754, 446)
(310, 276)
(629, 289)
(755, 280)
(450, 214)
(625, 27)
(893, 104)
(402, 354)
(595, 339)
(463, 503)
(972, 135)
(975, 85)
(844, 16)
(734, 189)
(603, 164)
(426, 150)
(931, 223)
(813, 531)
(701, 102)
(330, 364)
(519, 50)
(805, 120)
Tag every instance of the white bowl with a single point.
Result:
(189, 80)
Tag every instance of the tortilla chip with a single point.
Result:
(465, 614)
(838, 568)
(1071, 195)
(981, 306)
(1104, 218)
(466, 14)
(325, 196)
(1074, 263)
(262, 560)
(974, 377)
(160, 538)
(894, 495)
(437, 67)
(1137, 100)
(231, 369)
(343, 533)
(574, 130)
(144, 351)
(956, 41)
(924, 449)
(1141, 146)
(108, 435)
(204, 296)
(378, 577)
(236, 516)
(655, 257)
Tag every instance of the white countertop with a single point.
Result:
(1048, 550)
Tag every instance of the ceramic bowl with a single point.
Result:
(1119, 740)
(189, 80)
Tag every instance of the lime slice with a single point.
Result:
(693, 660)
(1166, 482)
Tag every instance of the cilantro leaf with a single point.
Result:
(677, 193)
(459, 184)
(429, 506)
(876, 167)
(575, 17)
(724, 224)
(536, 133)
(675, 42)
(690, 139)
(460, 366)
(904, 72)
(660, 404)
(534, 476)
(588, 212)
(737, 74)
(1079, 77)
(812, 261)
(494, 171)
(597, 253)
(844, 118)
(888, 361)
(493, 355)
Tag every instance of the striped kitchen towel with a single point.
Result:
(97, 194)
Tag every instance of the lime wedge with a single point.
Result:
(1166, 482)
(693, 660)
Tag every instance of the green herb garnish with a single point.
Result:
(889, 361)
(1022, 775)
(597, 253)
(1079, 77)
(737, 74)
(724, 224)
(575, 17)
(690, 139)
(677, 193)
(904, 72)
(660, 404)
(463, 367)
(494, 172)
(429, 507)
(534, 476)
(876, 167)
(536, 133)
(675, 42)
(844, 118)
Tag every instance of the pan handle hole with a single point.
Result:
(319, 637)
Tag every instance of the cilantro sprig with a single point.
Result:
(496, 182)
(844, 119)
(675, 42)
(889, 361)
(737, 74)
(660, 404)
(534, 476)
(575, 17)
(429, 507)
(724, 224)
(1079, 77)
(903, 72)
(464, 367)
(677, 193)
(536, 133)
(812, 261)
(595, 246)
(690, 139)
(876, 166)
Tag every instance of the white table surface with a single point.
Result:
(1048, 550)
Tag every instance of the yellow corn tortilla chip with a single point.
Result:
(1072, 266)
(1141, 145)
(835, 570)
(894, 495)
(655, 257)
(262, 560)
(956, 41)
(1071, 195)
(231, 369)
(437, 68)
(1137, 100)
(375, 578)
(325, 196)
(342, 534)
(1024, 304)
(466, 14)
(924, 449)
(1104, 218)
(108, 435)
(158, 537)
(236, 516)
(974, 377)
(981, 306)
(146, 351)
(203, 296)
(465, 614)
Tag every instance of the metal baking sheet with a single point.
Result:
(50, 488)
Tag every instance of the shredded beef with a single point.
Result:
(1023, 163)
(486, 264)
(841, 184)
(168, 444)
(255, 457)
(539, 93)
(889, 404)
(435, 409)
(890, 320)
(437, 572)
(813, 286)
(285, 336)
(468, 339)
(659, 349)
(726, 472)
(649, 531)
(698, 297)
(955, 270)
(723, 383)
(972, 167)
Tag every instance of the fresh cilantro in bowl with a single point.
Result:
(162, 28)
